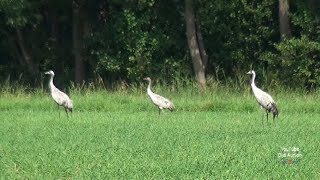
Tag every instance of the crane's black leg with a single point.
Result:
(66, 112)
(159, 111)
(267, 115)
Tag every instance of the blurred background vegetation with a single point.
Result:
(106, 42)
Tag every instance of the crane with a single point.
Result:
(58, 96)
(158, 100)
(264, 99)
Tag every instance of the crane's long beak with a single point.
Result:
(249, 72)
(46, 73)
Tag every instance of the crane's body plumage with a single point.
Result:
(264, 99)
(58, 96)
(158, 100)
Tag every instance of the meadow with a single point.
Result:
(217, 134)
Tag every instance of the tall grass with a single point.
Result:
(225, 96)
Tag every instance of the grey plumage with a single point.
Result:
(58, 96)
(264, 99)
(158, 100)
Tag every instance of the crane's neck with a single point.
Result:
(253, 85)
(51, 86)
(149, 88)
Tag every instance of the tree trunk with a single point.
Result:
(31, 66)
(86, 32)
(77, 44)
(18, 55)
(203, 53)
(284, 22)
(52, 20)
(198, 65)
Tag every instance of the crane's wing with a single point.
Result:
(61, 98)
(263, 98)
(162, 102)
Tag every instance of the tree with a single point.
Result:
(121, 40)
(77, 44)
(284, 22)
(16, 16)
(196, 45)
(31, 65)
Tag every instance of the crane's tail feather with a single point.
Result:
(69, 105)
(274, 110)
(171, 107)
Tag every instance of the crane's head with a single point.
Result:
(251, 72)
(50, 73)
(147, 79)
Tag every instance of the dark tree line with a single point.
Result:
(126, 40)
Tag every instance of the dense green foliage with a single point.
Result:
(120, 136)
(126, 40)
(297, 60)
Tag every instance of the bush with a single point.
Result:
(297, 62)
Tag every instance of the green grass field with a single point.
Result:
(119, 135)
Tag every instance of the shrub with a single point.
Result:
(297, 62)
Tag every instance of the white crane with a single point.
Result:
(158, 100)
(264, 99)
(58, 96)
